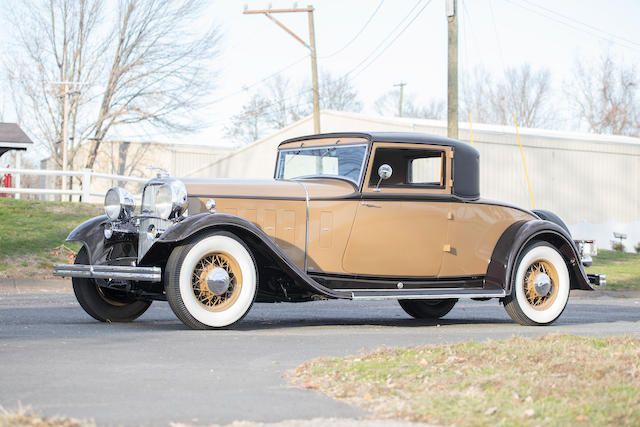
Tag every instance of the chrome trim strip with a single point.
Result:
(120, 272)
(377, 294)
(306, 231)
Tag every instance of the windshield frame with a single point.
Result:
(358, 183)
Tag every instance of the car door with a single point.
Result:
(401, 223)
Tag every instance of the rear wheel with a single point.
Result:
(540, 287)
(428, 308)
(212, 281)
(102, 303)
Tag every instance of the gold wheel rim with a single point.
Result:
(205, 297)
(534, 298)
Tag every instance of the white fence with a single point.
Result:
(87, 176)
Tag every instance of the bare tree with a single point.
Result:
(522, 91)
(283, 103)
(387, 105)
(280, 103)
(478, 94)
(525, 93)
(248, 125)
(142, 64)
(337, 93)
(604, 95)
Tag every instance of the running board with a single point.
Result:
(115, 272)
(434, 293)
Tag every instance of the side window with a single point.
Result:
(426, 170)
(412, 167)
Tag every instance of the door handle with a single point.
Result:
(370, 205)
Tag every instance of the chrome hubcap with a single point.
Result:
(218, 281)
(542, 284)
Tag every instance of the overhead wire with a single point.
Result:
(390, 42)
(583, 23)
(270, 76)
(366, 24)
(575, 24)
(388, 36)
(495, 31)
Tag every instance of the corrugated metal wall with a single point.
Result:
(591, 181)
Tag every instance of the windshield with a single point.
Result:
(346, 161)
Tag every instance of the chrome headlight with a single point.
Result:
(167, 201)
(118, 204)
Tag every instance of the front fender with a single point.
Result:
(516, 237)
(91, 234)
(252, 234)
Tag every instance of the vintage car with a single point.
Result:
(347, 215)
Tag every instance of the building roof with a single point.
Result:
(13, 138)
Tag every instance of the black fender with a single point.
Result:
(516, 237)
(253, 236)
(550, 216)
(91, 234)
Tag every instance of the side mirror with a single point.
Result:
(384, 172)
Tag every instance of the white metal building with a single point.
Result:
(591, 181)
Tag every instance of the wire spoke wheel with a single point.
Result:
(211, 281)
(207, 297)
(540, 284)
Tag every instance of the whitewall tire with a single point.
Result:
(540, 286)
(212, 281)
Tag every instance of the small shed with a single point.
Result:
(14, 138)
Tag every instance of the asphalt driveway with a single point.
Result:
(155, 371)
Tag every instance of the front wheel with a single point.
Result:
(540, 287)
(102, 303)
(212, 281)
(427, 309)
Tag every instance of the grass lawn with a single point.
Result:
(622, 269)
(32, 235)
(555, 380)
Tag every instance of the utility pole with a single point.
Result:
(452, 69)
(312, 50)
(401, 85)
(65, 133)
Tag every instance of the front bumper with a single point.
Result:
(597, 280)
(113, 272)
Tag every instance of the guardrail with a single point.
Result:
(86, 177)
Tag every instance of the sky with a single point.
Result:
(404, 40)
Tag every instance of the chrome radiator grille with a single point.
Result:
(145, 240)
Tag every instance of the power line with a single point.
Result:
(357, 34)
(590, 30)
(246, 87)
(495, 31)
(583, 23)
(390, 43)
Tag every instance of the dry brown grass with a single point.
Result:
(23, 416)
(555, 380)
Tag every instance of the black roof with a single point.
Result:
(12, 138)
(466, 164)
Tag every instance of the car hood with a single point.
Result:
(270, 188)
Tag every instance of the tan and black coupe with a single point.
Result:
(347, 215)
